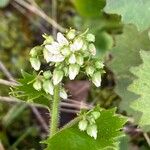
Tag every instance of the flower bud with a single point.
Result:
(99, 64)
(72, 59)
(91, 119)
(35, 63)
(90, 37)
(61, 39)
(65, 51)
(96, 79)
(89, 70)
(92, 131)
(37, 85)
(96, 114)
(48, 87)
(57, 76)
(63, 93)
(77, 44)
(92, 49)
(83, 125)
(66, 70)
(80, 60)
(35, 50)
(71, 34)
(48, 39)
(47, 74)
(73, 71)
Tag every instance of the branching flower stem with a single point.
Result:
(55, 111)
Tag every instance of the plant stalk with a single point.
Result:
(55, 111)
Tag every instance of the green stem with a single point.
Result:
(55, 111)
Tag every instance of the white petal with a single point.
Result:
(49, 57)
(77, 45)
(63, 94)
(61, 39)
(72, 59)
(57, 58)
(57, 76)
(96, 79)
(73, 71)
(54, 48)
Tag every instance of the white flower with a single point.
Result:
(77, 45)
(63, 93)
(92, 131)
(48, 87)
(49, 57)
(57, 76)
(35, 63)
(53, 48)
(73, 71)
(92, 49)
(61, 39)
(72, 59)
(83, 125)
(96, 79)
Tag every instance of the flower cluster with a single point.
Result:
(88, 123)
(44, 82)
(69, 54)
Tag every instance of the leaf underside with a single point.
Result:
(141, 86)
(132, 11)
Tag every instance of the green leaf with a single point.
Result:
(132, 11)
(26, 91)
(4, 3)
(71, 138)
(89, 8)
(126, 55)
(141, 86)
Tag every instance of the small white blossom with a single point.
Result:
(77, 45)
(96, 79)
(35, 63)
(73, 71)
(57, 76)
(72, 59)
(92, 131)
(61, 39)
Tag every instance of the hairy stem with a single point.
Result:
(55, 111)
